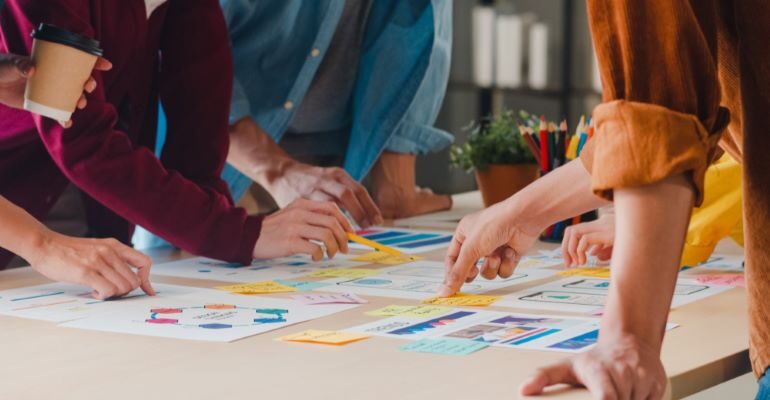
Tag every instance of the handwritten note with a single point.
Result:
(379, 257)
(350, 273)
(591, 272)
(258, 288)
(423, 311)
(324, 337)
(342, 298)
(734, 280)
(463, 299)
(454, 347)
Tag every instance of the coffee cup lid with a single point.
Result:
(55, 34)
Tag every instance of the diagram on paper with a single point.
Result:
(258, 270)
(579, 294)
(205, 314)
(422, 279)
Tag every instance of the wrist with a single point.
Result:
(521, 210)
(35, 243)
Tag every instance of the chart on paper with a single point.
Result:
(404, 240)
(422, 279)
(258, 270)
(579, 294)
(536, 332)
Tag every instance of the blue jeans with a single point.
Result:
(764, 387)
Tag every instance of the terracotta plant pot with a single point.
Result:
(501, 181)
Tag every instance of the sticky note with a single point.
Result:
(592, 272)
(454, 347)
(258, 288)
(424, 311)
(302, 286)
(379, 257)
(350, 273)
(324, 337)
(463, 299)
(734, 280)
(342, 298)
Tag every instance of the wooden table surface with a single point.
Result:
(42, 361)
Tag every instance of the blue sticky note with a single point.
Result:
(454, 347)
(302, 286)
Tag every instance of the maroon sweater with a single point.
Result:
(181, 57)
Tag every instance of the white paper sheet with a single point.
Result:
(422, 279)
(582, 294)
(59, 302)
(205, 315)
(259, 270)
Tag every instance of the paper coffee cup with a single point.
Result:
(63, 63)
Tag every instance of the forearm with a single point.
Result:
(651, 223)
(254, 153)
(20, 233)
(561, 194)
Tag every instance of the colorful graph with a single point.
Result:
(577, 342)
(405, 240)
(432, 323)
(216, 316)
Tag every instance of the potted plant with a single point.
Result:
(498, 155)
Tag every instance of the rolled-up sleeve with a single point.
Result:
(660, 116)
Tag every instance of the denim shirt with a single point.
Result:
(278, 46)
(400, 84)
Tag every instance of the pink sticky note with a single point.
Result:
(317, 298)
(735, 280)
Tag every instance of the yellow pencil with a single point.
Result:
(371, 243)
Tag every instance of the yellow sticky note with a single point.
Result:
(350, 273)
(425, 311)
(463, 299)
(324, 337)
(380, 257)
(592, 272)
(258, 288)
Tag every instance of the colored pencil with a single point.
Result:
(544, 157)
(371, 243)
(530, 143)
(563, 141)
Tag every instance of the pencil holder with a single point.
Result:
(555, 232)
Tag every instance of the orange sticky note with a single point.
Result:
(324, 337)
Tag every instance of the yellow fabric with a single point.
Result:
(719, 216)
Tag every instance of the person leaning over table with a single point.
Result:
(101, 264)
(175, 52)
(331, 83)
(666, 66)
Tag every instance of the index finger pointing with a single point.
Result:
(460, 270)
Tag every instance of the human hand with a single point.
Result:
(15, 70)
(395, 189)
(303, 181)
(291, 230)
(105, 265)
(493, 234)
(622, 368)
(595, 238)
